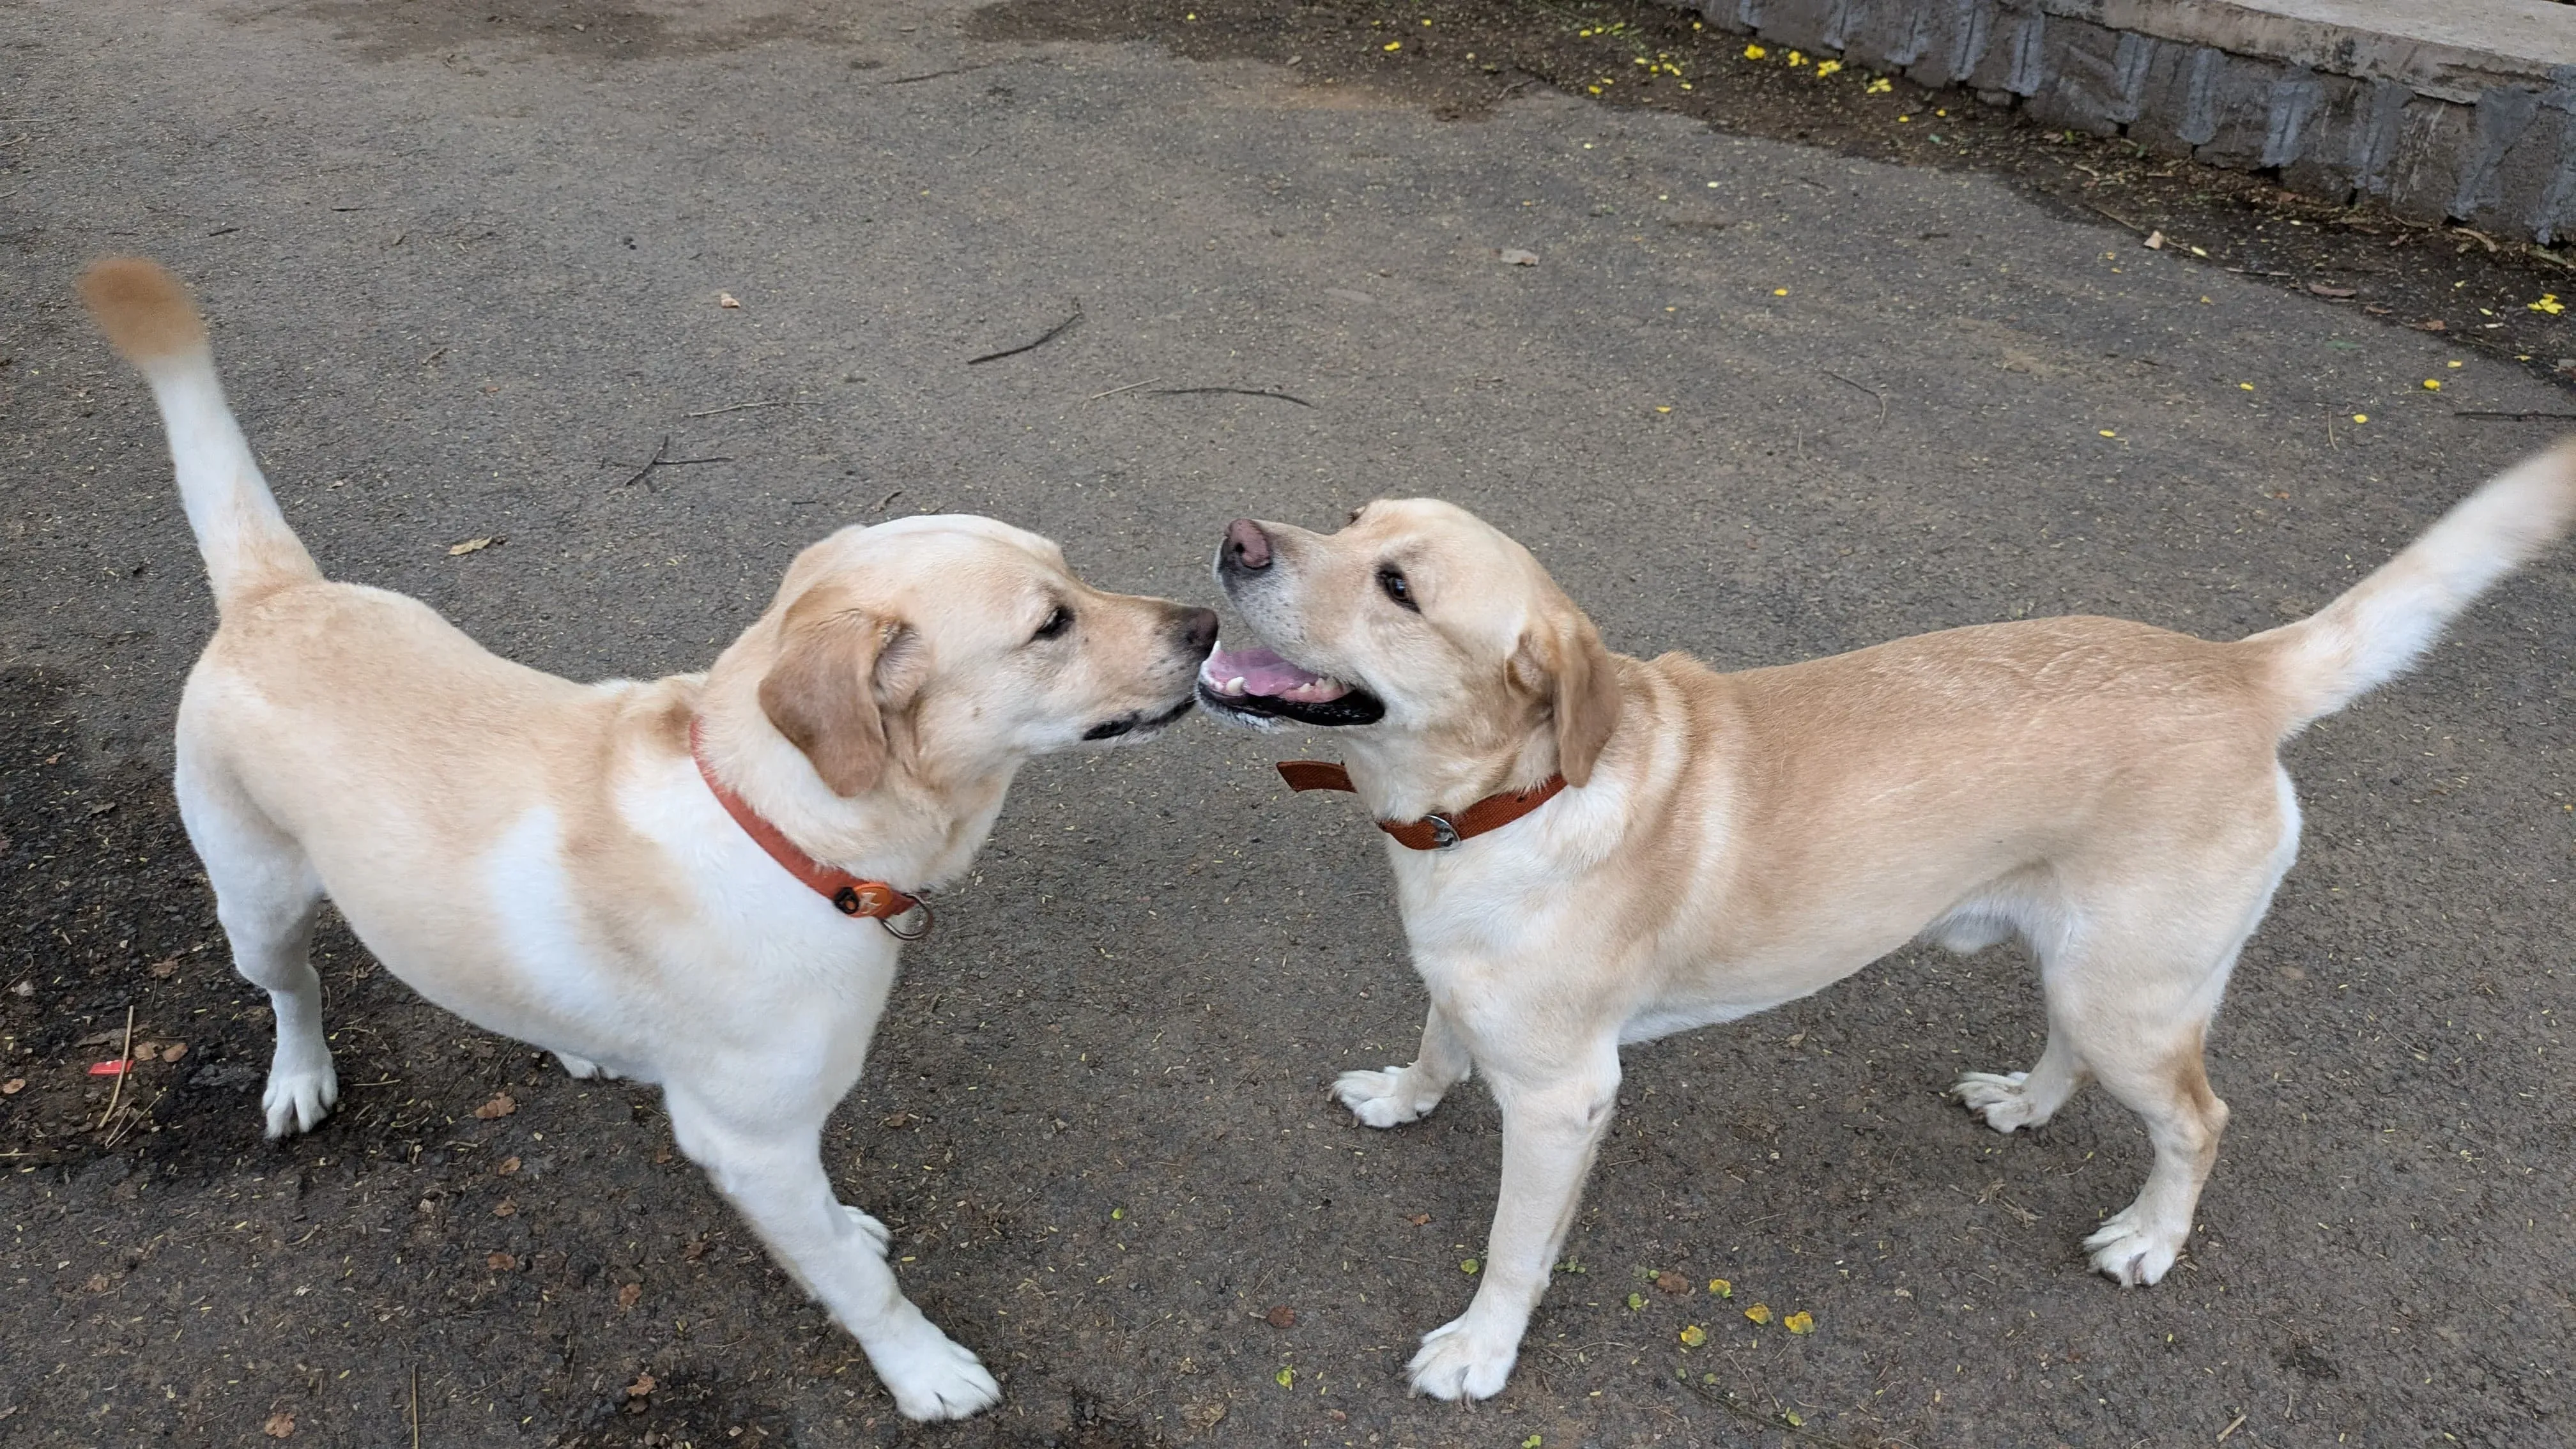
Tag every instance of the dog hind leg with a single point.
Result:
(2007, 1100)
(266, 896)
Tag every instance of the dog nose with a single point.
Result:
(1246, 547)
(1198, 631)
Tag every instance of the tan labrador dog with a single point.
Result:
(670, 881)
(2107, 792)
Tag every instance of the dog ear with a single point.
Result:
(1575, 671)
(823, 690)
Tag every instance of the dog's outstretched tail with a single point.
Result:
(2384, 623)
(150, 319)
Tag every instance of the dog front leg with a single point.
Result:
(1402, 1094)
(774, 1177)
(1551, 1126)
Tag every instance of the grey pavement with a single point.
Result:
(1754, 401)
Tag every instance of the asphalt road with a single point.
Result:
(1755, 401)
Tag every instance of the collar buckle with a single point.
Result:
(1444, 831)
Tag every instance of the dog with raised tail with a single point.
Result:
(1592, 850)
(702, 881)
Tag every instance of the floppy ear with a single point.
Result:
(821, 692)
(1583, 688)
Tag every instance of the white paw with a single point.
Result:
(934, 1377)
(2134, 1251)
(869, 1228)
(1383, 1099)
(1999, 1097)
(298, 1099)
(583, 1068)
(1457, 1361)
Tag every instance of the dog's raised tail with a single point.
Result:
(148, 316)
(2378, 629)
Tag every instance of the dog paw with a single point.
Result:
(1457, 1361)
(1383, 1099)
(298, 1099)
(869, 1228)
(2002, 1098)
(932, 1376)
(583, 1068)
(2133, 1250)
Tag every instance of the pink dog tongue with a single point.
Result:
(1259, 671)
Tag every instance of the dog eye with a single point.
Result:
(1392, 581)
(1056, 623)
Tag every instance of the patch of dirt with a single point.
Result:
(383, 30)
(1460, 57)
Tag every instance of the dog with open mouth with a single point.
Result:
(1592, 850)
(702, 881)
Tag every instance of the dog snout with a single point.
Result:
(1246, 549)
(1198, 632)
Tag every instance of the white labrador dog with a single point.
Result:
(697, 881)
(1591, 850)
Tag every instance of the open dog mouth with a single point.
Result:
(1256, 684)
(1138, 725)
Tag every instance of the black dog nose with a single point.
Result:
(1246, 546)
(1198, 630)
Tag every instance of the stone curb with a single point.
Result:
(2440, 110)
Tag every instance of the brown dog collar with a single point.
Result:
(1431, 832)
(850, 895)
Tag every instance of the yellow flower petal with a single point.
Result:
(1879, 87)
(1799, 1322)
(1754, 52)
(2361, 417)
(1721, 1287)
(1395, 45)
(2549, 303)
(1759, 1313)
(1694, 1336)
(2432, 384)
(1827, 67)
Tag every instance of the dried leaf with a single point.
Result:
(1420, 1220)
(2322, 290)
(508, 1165)
(1517, 257)
(149, 1051)
(2155, 241)
(280, 1425)
(163, 967)
(695, 1249)
(1671, 1282)
(507, 1207)
(630, 1295)
(644, 1384)
(13, 1086)
(725, 299)
(173, 1051)
(1282, 1316)
(500, 1106)
(473, 545)
(501, 1262)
